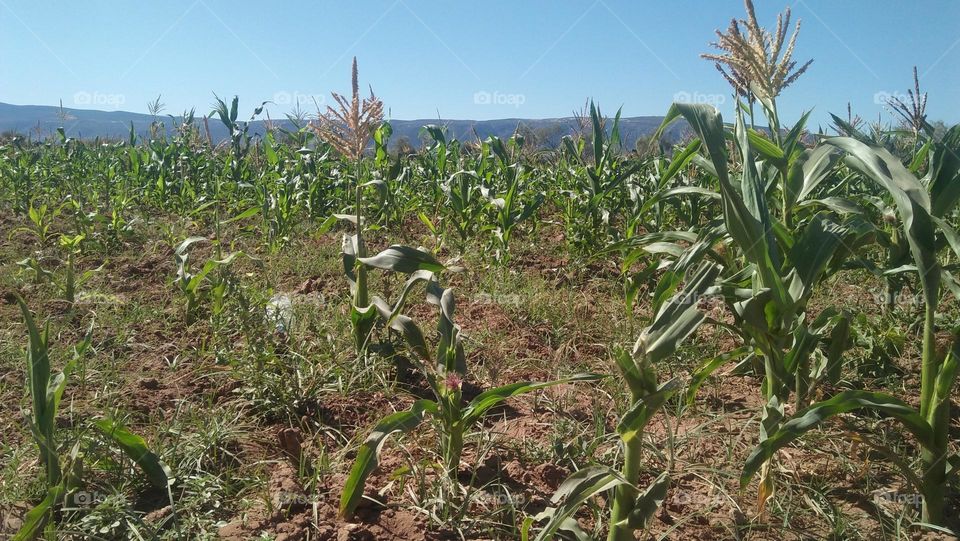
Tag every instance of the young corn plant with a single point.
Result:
(508, 204)
(464, 206)
(72, 281)
(61, 471)
(191, 284)
(930, 424)
(445, 370)
(599, 190)
(41, 222)
(632, 507)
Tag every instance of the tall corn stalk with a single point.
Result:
(348, 128)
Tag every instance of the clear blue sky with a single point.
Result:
(480, 60)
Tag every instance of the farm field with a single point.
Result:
(747, 332)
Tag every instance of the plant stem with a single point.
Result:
(626, 495)
(933, 458)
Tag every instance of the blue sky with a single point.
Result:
(480, 60)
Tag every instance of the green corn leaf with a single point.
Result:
(676, 319)
(482, 403)
(640, 413)
(136, 448)
(839, 342)
(37, 518)
(38, 366)
(680, 160)
(947, 375)
(252, 211)
(820, 239)
(648, 502)
(949, 233)
(403, 259)
(807, 172)
(709, 367)
(689, 190)
(839, 205)
(765, 147)
(187, 243)
(572, 493)
(912, 200)
(811, 417)
(944, 183)
(369, 453)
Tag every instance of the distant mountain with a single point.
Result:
(42, 121)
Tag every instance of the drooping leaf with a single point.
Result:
(648, 502)
(403, 259)
(811, 417)
(572, 493)
(135, 447)
(490, 398)
(37, 518)
(368, 456)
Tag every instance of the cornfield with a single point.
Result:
(749, 333)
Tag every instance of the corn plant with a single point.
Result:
(631, 507)
(61, 472)
(191, 283)
(599, 189)
(508, 203)
(41, 221)
(921, 220)
(72, 281)
(348, 128)
(782, 265)
(277, 196)
(464, 208)
(445, 370)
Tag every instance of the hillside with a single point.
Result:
(42, 121)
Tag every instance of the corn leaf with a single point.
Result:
(488, 399)
(572, 493)
(811, 417)
(403, 259)
(136, 448)
(369, 453)
(37, 518)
